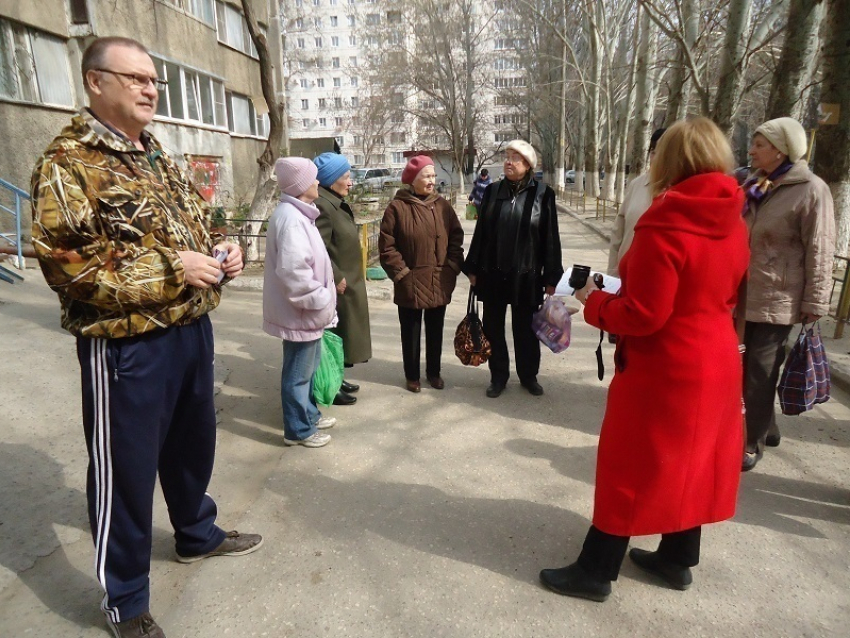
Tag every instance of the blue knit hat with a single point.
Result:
(331, 167)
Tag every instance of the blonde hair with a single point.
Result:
(688, 148)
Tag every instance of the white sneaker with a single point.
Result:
(317, 439)
(325, 422)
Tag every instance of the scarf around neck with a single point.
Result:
(757, 187)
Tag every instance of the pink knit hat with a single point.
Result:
(414, 165)
(295, 175)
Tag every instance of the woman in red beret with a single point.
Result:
(421, 248)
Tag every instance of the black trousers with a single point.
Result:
(526, 344)
(602, 554)
(410, 320)
(762, 362)
(147, 410)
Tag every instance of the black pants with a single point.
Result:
(410, 320)
(762, 362)
(147, 409)
(526, 344)
(602, 554)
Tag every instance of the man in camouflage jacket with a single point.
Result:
(123, 238)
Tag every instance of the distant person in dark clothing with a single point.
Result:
(481, 183)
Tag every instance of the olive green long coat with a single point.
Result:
(339, 232)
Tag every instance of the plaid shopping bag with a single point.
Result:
(805, 379)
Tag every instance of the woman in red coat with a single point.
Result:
(670, 447)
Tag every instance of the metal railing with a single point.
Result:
(606, 205)
(14, 240)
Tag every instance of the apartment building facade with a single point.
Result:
(211, 116)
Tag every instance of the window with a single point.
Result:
(373, 19)
(352, 40)
(299, 23)
(509, 118)
(378, 159)
(340, 141)
(504, 83)
(315, 3)
(299, 3)
(190, 95)
(323, 103)
(397, 138)
(201, 9)
(338, 102)
(352, 61)
(334, 41)
(358, 159)
(323, 121)
(320, 83)
(338, 121)
(305, 104)
(355, 102)
(305, 123)
(334, 21)
(358, 140)
(318, 43)
(300, 43)
(337, 83)
(335, 63)
(351, 20)
(318, 23)
(333, 3)
(304, 83)
(395, 38)
(302, 64)
(373, 40)
(394, 17)
(244, 120)
(33, 66)
(398, 157)
(504, 137)
(232, 29)
(398, 118)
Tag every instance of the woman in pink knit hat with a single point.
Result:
(299, 298)
(421, 248)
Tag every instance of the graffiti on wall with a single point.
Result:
(205, 172)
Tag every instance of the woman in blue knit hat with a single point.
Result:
(339, 232)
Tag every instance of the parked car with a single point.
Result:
(393, 180)
(570, 176)
(372, 178)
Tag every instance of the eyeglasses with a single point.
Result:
(139, 81)
(513, 159)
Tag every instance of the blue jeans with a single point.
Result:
(300, 412)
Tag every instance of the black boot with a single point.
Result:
(342, 398)
(349, 388)
(676, 576)
(574, 580)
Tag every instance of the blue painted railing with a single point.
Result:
(15, 240)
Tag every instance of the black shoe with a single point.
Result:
(349, 388)
(676, 576)
(772, 440)
(573, 580)
(342, 398)
(749, 462)
(534, 388)
(495, 389)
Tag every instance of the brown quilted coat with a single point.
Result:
(421, 247)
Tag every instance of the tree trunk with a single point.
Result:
(832, 156)
(646, 53)
(263, 201)
(591, 154)
(732, 65)
(796, 62)
(677, 102)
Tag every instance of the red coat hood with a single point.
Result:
(708, 205)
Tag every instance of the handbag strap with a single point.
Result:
(472, 302)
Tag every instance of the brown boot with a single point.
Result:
(143, 626)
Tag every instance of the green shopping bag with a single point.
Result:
(471, 211)
(327, 379)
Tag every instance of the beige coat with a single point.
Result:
(636, 201)
(792, 240)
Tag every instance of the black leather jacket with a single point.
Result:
(515, 254)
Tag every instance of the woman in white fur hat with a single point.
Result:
(792, 238)
(515, 257)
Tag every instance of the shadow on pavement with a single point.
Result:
(511, 537)
(35, 500)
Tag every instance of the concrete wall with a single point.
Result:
(48, 15)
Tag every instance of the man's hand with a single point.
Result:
(805, 317)
(199, 270)
(471, 280)
(341, 286)
(550, 290)
(233, 265)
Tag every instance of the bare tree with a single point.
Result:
(644, 91)
(794, 71)
(832, 158)
(732, 63)
(264, 198)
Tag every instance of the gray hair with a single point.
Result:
(95, 54)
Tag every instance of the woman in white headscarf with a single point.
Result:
(792, 238)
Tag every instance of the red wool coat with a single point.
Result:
(671, 443)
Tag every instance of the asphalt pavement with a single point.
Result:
(428, 515)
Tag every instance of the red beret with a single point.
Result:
(414, 165)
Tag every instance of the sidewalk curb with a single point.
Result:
(565, 209)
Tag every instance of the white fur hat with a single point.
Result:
(526, 150)
(787, 135)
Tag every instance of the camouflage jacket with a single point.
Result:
(108, 220)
